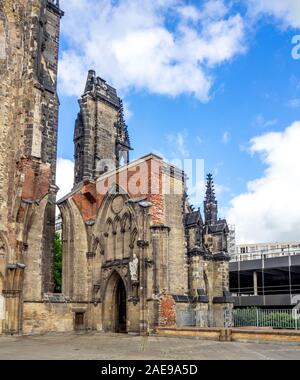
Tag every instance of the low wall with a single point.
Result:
(233, 334)
(274, 336)
(39, 318)
(203, 333)
(45, 317)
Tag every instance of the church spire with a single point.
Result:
(210, 202)
(210, 189)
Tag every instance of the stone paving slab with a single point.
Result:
(117, 347)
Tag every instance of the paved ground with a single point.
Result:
(114, 346)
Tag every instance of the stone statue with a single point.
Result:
(133, 267)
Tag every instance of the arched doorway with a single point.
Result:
(121, 308)
(115, 305)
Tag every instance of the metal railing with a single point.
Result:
(271, 318)
(288, 319)
(203, 318)
(260, 255)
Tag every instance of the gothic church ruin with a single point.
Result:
(136, 255)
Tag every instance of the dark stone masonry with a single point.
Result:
(136, 254)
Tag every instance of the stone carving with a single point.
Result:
(133, 267)
(117, 204)
(125, 271)
(105, 274)
(2, 247)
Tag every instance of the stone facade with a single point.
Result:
(131, 227)
(136, 255)
(29, 39)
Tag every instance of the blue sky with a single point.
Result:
(225, 104)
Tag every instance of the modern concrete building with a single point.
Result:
(58, 225)
(266, 275)
(268, 248)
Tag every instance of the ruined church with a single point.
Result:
(136, 254)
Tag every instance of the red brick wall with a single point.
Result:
(36, 179)
(142, 180)
(167, 311)
(86, 201)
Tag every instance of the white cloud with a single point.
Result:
(178, 144)
(261, 121)
(286, 11)
(196, 192)
(189, 12)
(64, 176)
(214, 9)
(220, 189)
(127, 111)
(270, 209)
(226, 138)
(131, 45)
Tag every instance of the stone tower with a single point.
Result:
(101, 138)
(29, 40)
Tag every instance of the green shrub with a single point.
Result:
(262, 318)
(57, 263)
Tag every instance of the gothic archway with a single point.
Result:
(115, 304)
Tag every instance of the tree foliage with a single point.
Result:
(57, 263)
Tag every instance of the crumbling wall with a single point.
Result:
(29, 39)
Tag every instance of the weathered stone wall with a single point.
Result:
(79, 258)
(96, 256)
(33, 286)
(222, 315)
(75, 249)
(14, 41)
(39, 318)
(198, 277)
(95, 136)
(43, 317)
(2, 306)
(28, 138)
(11, 92)
(174, 217)
(215, 242)
(220, 277)
(103, 231)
